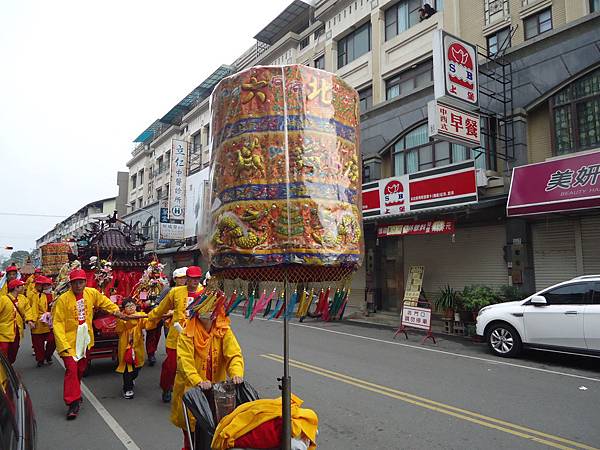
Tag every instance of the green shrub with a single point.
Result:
(476, 297)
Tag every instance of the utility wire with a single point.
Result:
(29, 215)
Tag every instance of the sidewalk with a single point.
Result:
(391, 320)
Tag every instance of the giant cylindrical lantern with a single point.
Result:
(285, 174)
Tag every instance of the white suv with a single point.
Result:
(564, 317)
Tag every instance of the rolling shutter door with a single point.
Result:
(476, 257)
(554, 255)
(590, 244)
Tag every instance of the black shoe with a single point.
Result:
(73, 410)
(49, 361)
(151, 360)
(166, 396)
(40, 364)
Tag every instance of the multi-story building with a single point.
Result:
(540, 93)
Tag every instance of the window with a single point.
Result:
(305, 42)
(196, 142)
(498, 41)
(415, 152)
(538, 23)
(159, 194)
(168, 160)
(140, 202)
(576, 115)
(320, 32)
(160, 165)
(409, 80)
(571, 294)
(366, 99)
(594, 5)
(320, 62)
(401, 17)
(596, 294)
(141, 176)
(354, 45)
(133, 181)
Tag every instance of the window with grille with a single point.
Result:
(538, 23)
(354, 45)
(409, 80)
(401, 17)
(305, 42)
(366, 99)
(320, 62)
(414, 152)
(576, 115)
(499, 41)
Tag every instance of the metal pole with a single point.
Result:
(286, 381)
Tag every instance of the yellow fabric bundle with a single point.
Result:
(248, 416)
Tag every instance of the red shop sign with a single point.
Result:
(552, 186)
(426, 227)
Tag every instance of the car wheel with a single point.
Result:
(504, 340)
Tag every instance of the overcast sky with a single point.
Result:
(80, 80)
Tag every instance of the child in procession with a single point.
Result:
(131, 345)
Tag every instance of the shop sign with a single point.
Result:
(414, 284)
(453, 124)
(564, 184)
(416, 317)
(177, 183)
(407, 229)
(451, 185)
(455, 73)
(171, 231)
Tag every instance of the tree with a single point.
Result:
(18, 257)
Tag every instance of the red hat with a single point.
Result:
(38, 270)
(12, 284)
(77, 274)
(193, 272)
(12, 269)
(43, 280)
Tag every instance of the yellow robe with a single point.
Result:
(192, 352)
(65, 320)
(39, 305)
(8, 316)
(175, 300)
(131, 331)
(248, 416)
(30, 286)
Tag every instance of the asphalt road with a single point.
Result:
(369, 391)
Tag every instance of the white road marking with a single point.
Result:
(433, 350)
(106, 416)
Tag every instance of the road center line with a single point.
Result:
(469, 416)
(112, 423)
(444, 352)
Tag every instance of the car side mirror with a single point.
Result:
(538, 300)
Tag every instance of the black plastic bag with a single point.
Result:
(201, 405)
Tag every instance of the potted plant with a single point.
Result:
(476, 297)
(447, 301)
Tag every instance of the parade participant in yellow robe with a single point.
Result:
(176, 301)
(42, 337)
(207, 352)
(131, 346)
(30, 282)
(249, 416)
(72, 314)
(11, 273)
(14, 312)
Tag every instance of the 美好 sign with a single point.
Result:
(553, 186)
(455, 72)
(452, 124)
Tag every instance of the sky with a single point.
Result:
(80, 80)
